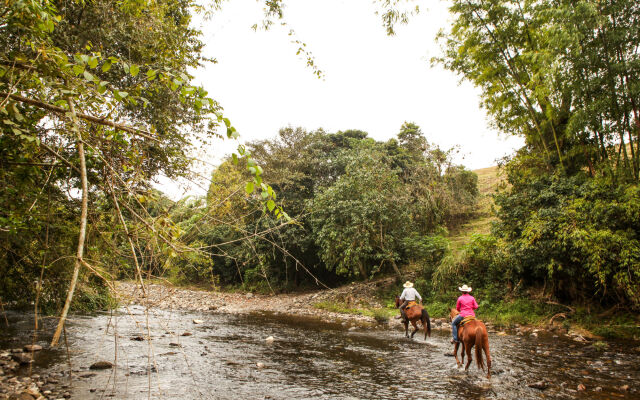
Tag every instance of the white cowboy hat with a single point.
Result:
(408, 284)
(464, 288)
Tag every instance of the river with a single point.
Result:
(228, 357)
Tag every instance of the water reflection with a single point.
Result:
(227, 357)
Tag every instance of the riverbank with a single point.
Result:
(355, 305)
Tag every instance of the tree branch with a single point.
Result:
(90, 118)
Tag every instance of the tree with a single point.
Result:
(358, 220)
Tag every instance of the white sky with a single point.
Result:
(372, 82)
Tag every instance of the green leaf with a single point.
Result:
(78, 69)
(264, 194)
(133, 70)
(102, 87)
(271, 205)
(252, 170)
(151, 74)
(106, 66)
(88, 76)
(249, 188)
(93, 62)
(120, 95)
(234, 158)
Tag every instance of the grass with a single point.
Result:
(488, 181)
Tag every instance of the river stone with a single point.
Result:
(22, 358)
(581, 388)
(260, 365)
(137, 338)
(174, 344)
(540, 385)
(32, 347)
(624, 388)
(270, 339)
(198, 321)
(186, 334)
(248, 295)
(101, 365)
(21, 396)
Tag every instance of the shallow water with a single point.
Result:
(310, 359)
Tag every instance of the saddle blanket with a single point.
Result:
(467, 319)
(411, 304)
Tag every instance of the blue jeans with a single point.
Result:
(454, 327)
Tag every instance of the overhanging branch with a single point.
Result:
(90, 118)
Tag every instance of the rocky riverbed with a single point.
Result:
(26, 373)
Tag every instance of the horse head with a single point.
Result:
(453, 313)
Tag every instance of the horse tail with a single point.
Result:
(426, 325)
(480, 338)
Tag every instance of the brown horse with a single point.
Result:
(415, 313)
(473, 333)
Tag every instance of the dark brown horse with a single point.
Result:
(415, 313)
(473, 333)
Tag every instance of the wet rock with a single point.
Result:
(540, 385)
(624, 388)
(88, 375)
(353, 328)
(248, 295)
(213, 308)
(101, 365)
(187, 334)
(198, 321)
(21, 396)
(269, 339)
(32, 347)
(449, 354)
(137, 338)
(22, 358)
(581, 388)
(174, 344)
(260, 365)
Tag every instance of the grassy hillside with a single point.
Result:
(488, 181)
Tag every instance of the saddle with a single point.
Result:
(466, 319)
(411, 304)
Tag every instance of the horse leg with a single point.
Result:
(467, 348)
(455, 353)
(406, 328)
(415, 328)
(485, 347)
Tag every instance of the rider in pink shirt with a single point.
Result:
(465, 304)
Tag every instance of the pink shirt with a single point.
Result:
(466, 304)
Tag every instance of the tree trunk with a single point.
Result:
(395, 268)
(83, 226)
(362, 271)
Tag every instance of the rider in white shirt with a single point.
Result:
(408, 294)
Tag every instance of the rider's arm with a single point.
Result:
(418, 296)
(458, 304)
(475, 305)
(404, 292)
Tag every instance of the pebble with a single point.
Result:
(269, 339)
(101, 365)
(581, 388)
(540, 385)
(32, 347)
(187, 334)
(260, 365)
(198, 321)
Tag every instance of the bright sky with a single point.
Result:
(372, 82)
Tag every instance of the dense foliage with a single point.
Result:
(360, 208)
(564, 75)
